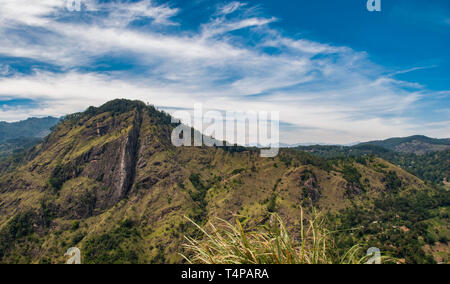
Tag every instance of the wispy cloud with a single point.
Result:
(413, 70)
(230, 8)
(123, 13)
(234, 61)
(220, 26)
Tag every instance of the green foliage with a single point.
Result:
(19, 233)
(75, 225)
(47, 213)
(199, 196)
(77, 238)
(196, 182)
(394, 224)
(126, 223)
(56, 183)
(234, 149)
(19, 227)
(353, 177)
(117, 107)
(58, 178)
(351, 174)
(305, 193)
(272, 206)
(296, 158)
(115, 247)
(432, 166)
(237, 171)
(63, 173)
(361, 160)
(393, 182)
(306, 175)
(287, 160)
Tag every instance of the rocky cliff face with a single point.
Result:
(110, 182)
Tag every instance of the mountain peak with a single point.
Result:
(118, 106)
(121, 106)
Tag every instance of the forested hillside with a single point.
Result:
(432, 166)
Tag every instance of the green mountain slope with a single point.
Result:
(432, 166)
(110, 182)
(412, 145)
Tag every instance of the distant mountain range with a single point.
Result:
(417, 144)
(414, 144)
(32, 127)
(17, 136)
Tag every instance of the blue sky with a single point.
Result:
(336, 72)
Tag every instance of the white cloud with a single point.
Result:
(338, 97)
(305, 46)
(28, 12)
(231, 8)
(220, 26)
(315, 119)
(123, 13)
(119, 13)
(4, 70)
(413, 70)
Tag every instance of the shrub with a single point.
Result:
(237, 171)
(393, 182)
(116, 247)
(272, 207)
(75, 225)
(351, 175)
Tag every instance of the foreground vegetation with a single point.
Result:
(227, 243)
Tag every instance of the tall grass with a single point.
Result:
(227, 243)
